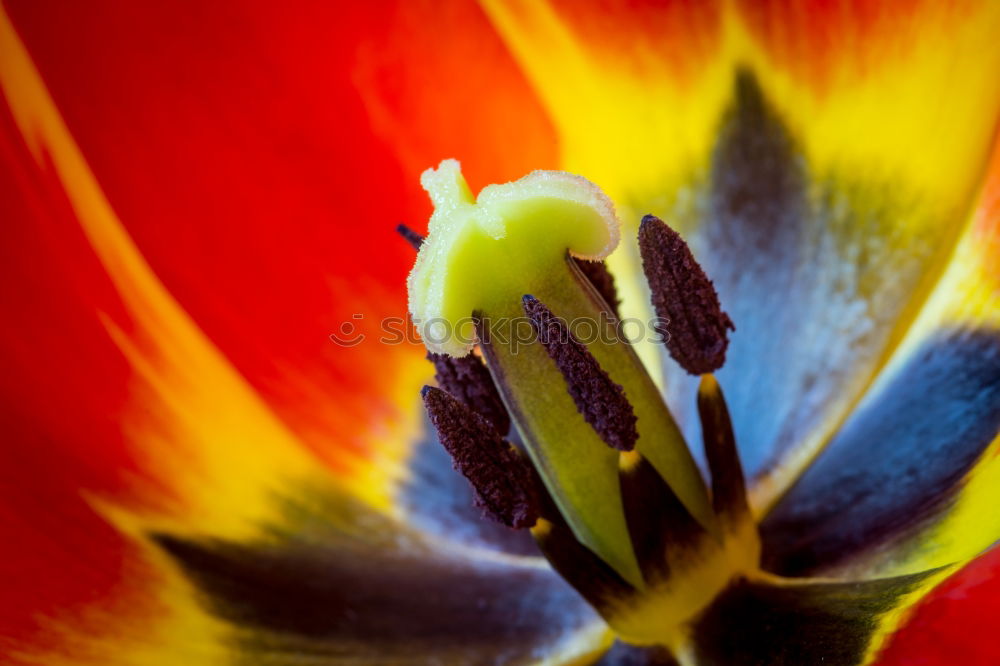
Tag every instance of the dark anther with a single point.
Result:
(410, 236)
(695, 326)
(729, 497)
(602, 279)
(503, 479)
(468, 380)
(601, 401)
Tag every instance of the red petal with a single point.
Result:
(955, 624)
(251, 155)
(261, 159)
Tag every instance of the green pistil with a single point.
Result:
(481, 257)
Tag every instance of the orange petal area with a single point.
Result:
(206, 405)
(813, 39)
(123, 412)
(238, 156)
(269, 154)
(955, 624)
(984, 242)
(466, 98)
(247, 186)
(634, 33)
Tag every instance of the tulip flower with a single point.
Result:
(218, 447)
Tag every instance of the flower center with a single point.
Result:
(595, 466)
